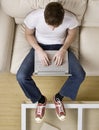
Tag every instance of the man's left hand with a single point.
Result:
(59, 57)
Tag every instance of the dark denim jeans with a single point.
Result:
(70, 87)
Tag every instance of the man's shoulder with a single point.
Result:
(36, 12)
(69, 13)
(31, 19)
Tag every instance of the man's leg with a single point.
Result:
(25, 80)
(29, 87)
(71, 86)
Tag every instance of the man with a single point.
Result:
(51, 28)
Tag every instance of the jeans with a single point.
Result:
(70, 87)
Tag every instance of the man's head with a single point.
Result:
(54, 14)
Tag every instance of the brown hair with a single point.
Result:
(54, 14)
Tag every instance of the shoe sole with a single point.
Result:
(38, 120)
(60, 118)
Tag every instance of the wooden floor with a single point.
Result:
(11, 96)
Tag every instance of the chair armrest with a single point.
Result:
(7, 26)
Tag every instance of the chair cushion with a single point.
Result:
(91, 18)
(20, 8)
(7, 26)
(89, 50)
(20, 49)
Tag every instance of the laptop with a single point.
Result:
(51, 70)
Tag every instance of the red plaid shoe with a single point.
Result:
(60, 110)
(40, 111)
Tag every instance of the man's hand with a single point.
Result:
(59, 57)
(43, 57)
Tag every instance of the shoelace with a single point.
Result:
(39, 110)
(60, 107)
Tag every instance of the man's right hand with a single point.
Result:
(43, 57)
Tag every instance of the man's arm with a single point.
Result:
(70, 38)
(59, 56)
(29, 33)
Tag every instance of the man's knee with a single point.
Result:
(20, 77)
(82, 75)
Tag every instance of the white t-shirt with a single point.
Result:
(44, 33)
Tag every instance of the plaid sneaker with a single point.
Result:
(40, 111)
(59, 108)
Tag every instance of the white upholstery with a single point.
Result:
(20, 8)
(89, 50)
(6, 40)
(91, 17)
(89, 39)
(20, 50)
(14, 48)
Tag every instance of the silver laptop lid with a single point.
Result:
(51, 70)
